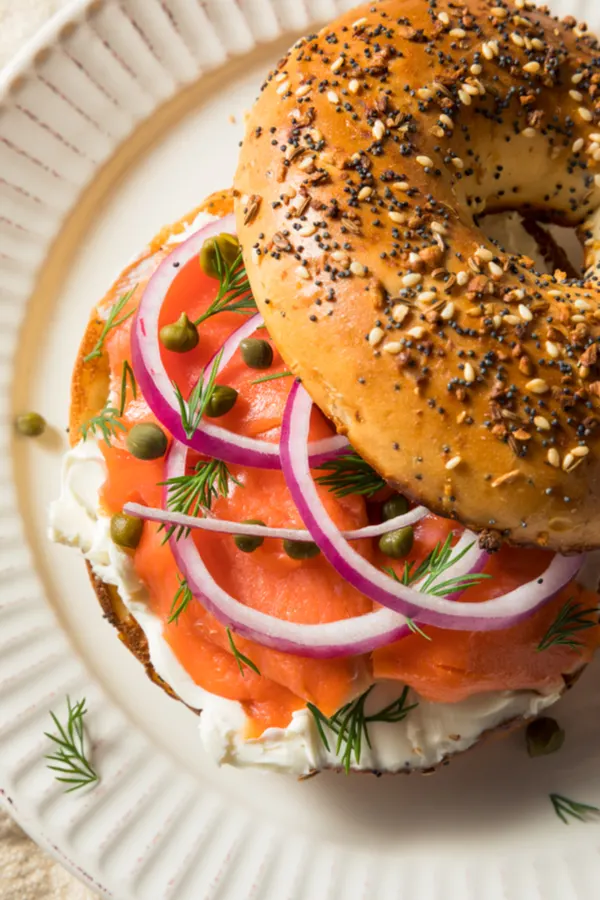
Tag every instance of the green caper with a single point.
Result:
(224, 245)
(247, 543)
(397, 543)
(222, 400)
(544, 736)
(125, 530)
(300, 549)
(30, 424)
(180, 336)
(395, 506)
(147, 441)
(256, 354)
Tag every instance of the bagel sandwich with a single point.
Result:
(237, 535)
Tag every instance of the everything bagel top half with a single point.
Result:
(469, 380)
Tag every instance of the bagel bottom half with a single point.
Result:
(89, 395)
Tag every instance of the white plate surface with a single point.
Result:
(156, 83)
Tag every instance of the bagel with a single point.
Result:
(468, 379)
(90, 393)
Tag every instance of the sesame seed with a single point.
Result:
(283, 88)
(473, 89)
(585, 114)
(333, 97)
(417, 331)
(464, 98)
(378, 129)
(376, 335)
(487, 51)
(542, 423)
(444, 18)
(457, 33)
(360, 22)
(424, 161)
(364, 193)
(357, 268)
(484, 254)
(529, 132)
(307, 230)
(496, 271)
(411, 279)
(580, 451)
(476, 69)
(438, 227)
(337, 65)
(457, 162)
(399, 313)
(281, 76)
(577, 145)
(553, 457)
(576, 78)
(581, 304)
(397, 217)
(493, 45)
(556, 294)
(447, 312)
(575, 95)
(525, 313)
(402, 185)
(578, 318)
(511, 320)
(393, 347)
(454, 462)
(499, 12)
(507, 478)
(517, 39)
(302, 272)
(552, 349)
(537, 386)
(568, 462)
(537, 44)
(354, 86)
(426, 296)
(532, 67)
(446, 120)
(303, 90)
(469, 373)
(461, 278)
(424, 94)
(595, 137)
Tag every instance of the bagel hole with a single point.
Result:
(550, 246)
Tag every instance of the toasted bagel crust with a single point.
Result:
(468, 380)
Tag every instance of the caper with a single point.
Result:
(228, 250)
(222, 400)
(300, 549)
(180, 336)
(397, 543)
(256, 354)
(544, 736)
(147, 441)
(30, 424)
(125, 530)
(395, 506)
(248, 543)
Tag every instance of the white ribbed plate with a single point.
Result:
(165, 823)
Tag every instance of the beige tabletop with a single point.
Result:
(26, 873)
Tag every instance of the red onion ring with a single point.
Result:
(501, 612)
(223, 526)
(347, 637)
(157, 388)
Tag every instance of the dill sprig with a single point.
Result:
(564, 807)
(106, 422)
(195, 406)
(350, 474)
(126, 374)
(189, 494)
(271, 377)
(415, 628)
(351, 724)
(234, 294)
(182, 599)
(112, 322)
(571, 618)
(240, 659)
(438, 561)
(70, 761)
